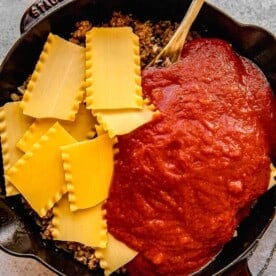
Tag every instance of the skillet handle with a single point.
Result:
(38, 10)
(239, 269)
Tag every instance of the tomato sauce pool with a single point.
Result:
(183, 182)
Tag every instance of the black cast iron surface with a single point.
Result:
(18, 231)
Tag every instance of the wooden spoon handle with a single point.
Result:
(174, 47)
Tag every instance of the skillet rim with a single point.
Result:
(64, 4)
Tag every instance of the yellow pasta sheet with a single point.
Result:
(12, 126)
(82, 128)
(113, 75)
(119, 122)
(272, 181)
(88, 170)
(84, 226)
(115, 255)
(57, 85)
(38, 174)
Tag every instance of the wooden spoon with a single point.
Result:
(172, 51)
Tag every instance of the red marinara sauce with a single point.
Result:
(182, 182)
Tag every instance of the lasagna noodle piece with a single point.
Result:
(38, 174)
(88, 167)
(99, 130)
(119, 122)
(57, 85)
(113, 74)
(12, 126)
(272, 181)
(86, 226)
(115, 255)
(82, 128)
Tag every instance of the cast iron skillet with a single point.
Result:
(19, 235)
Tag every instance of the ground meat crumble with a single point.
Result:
(153, 36)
